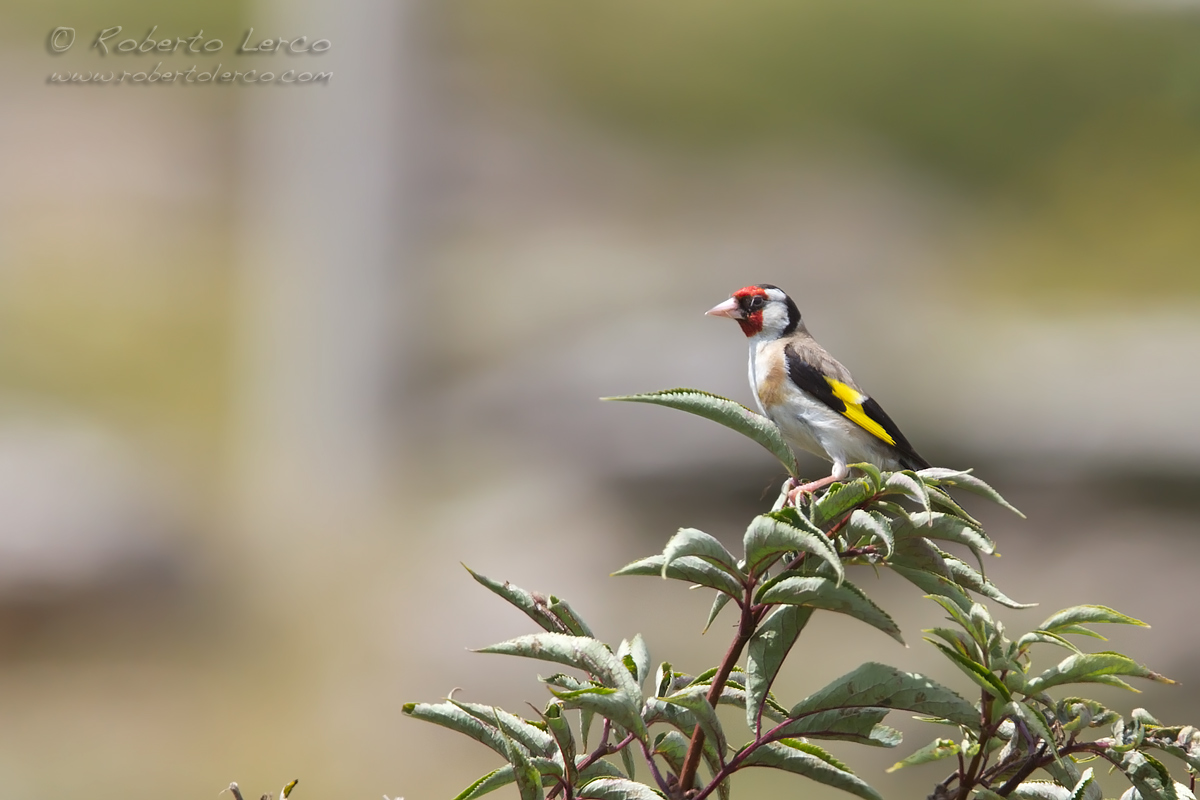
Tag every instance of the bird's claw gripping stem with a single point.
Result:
(798, 491)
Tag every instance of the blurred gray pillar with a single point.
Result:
(323, 250)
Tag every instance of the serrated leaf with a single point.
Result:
(1045, 637)
(818, 592)
(1088, 667)
(720, 600)
(918, 553)
(563, 611)
(698, 544)
(968, 483)
(636, 657)
(935, 585)
(867, 524)
(451, 716)
(770, 535)
(934, 751)
(727, 412)
(609, 703)
(976, 672)
(1148, 776)
(525, 775)
(767, 649)
(580, 652)
(687, 568)
(871, 472)
(839, 500)
(1040, 790)
(488, 783)
(558, 727)
(535, 740)
(802, 758)
(673, 747)
(959, 641)
(860, 725)
(937, 525)
(616, 789)
(1087, 614)
(694, 700)
(909, 485)
(1037, 725)
(962, 574)
(536, 607)
(628, 762)
(875, 685)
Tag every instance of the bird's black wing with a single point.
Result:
(853, 405)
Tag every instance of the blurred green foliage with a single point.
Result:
(1074, 126)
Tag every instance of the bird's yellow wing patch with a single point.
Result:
(854, 410)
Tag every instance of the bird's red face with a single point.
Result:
(745, 307)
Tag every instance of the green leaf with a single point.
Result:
(909, 485)
(1033, 719)
(1088, 667)
(1080, 615)
(698, 544)
(525, 775)
(960, 642)
(937, 525)
(871, 472)
(719, 602)
(875, 685)
(1040, 790)
(962, 574)
(564, 739)
(561, 610)
(610, 703)
(1045, 637)
(1080, 790)
(673, 747)
(976, 672)
(581, 652)
(918, 553)
(771, 535)
(810, 761)
(687, 568)
(728, 413)
(535, 606)
(767, 649)
(694, 700)
(966, 482)
(488, 783)
(617, 789)
(867, 524)
(451, 716)
(1148, 776)
(934, 751)
(533, 739)
(860, 725)
(818, 592)
(627, 762)
(935, 585)
(637, 650)
(839, 500)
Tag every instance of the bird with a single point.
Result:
(808, 394)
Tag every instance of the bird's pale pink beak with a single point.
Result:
(727, 309)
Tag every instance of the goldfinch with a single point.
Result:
(808, 394)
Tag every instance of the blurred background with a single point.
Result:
(274, 359)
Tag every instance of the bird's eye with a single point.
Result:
(756, 303)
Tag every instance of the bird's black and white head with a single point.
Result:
(763, 310)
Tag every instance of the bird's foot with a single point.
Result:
(797, 492)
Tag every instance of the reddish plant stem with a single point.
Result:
(746, 625)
